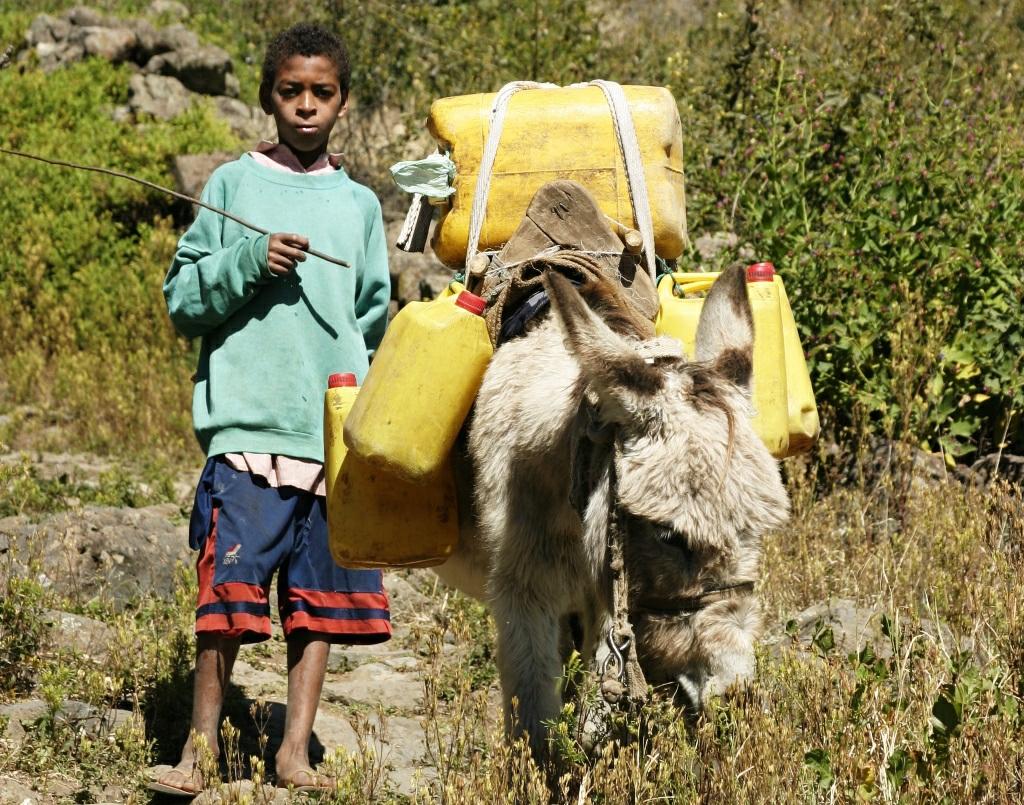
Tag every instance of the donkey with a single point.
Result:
(695, 491)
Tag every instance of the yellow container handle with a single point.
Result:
(685, 282)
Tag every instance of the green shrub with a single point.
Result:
(83, 327)
(873, 160)
(869, 150)
(22, 632)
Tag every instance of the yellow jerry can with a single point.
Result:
(375, 519)
(804, 426)
(421, 385)
(786, 414)
(558, 133)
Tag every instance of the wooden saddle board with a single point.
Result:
(563, 230)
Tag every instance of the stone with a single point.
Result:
(46, 29)
(840, 625)
(418, 282)
(85, 16)
(333, 730)
(163, 97)
(257, 681)
(837, 624)
(19, 716)
(153, 41)
(121, 114)
(94, 723)
(15, 792)
(192, 171)
(77, 633)
(997, 465)
(113, 44)
(169, 9)
(375, 683)
(52, 56)
(100, 551)
(414, 276)
(205, 69)
(249, 123)
(405, 751)
(710, 245)
(405, 599)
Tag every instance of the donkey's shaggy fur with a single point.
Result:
(696, 490)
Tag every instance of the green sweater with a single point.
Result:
(269, 342)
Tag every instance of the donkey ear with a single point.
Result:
(725, 332)
(607, 360)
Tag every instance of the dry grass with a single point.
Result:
(929, 712)
(933, 722)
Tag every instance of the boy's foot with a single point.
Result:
(305, 781)
(183, 780)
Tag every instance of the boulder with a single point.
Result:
(48, 30)
(249, 123)
(98, 551)
(192, 171)
(995, 466)
(17, 718)
(17, 792)
(414, 275)
(154, 41)
(95, 723)
(113, 44)
(374, 682)
(84, 16)
(168, 9)
(842, 626)
(710, 245)
(415, 280)
(163, 97)
(77, 633)
(205, 69)
(52, 55)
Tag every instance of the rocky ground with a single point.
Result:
(93, 553)
(374, 696)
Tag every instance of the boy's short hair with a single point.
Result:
(305, 39)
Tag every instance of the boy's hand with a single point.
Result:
(285, 251)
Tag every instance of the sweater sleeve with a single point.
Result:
(210, 280)
(373, 289)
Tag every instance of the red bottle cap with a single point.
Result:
(341, 380)
(471, 302)
(760, 272)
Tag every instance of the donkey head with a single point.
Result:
(695, 487)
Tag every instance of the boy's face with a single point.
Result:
(306, 102)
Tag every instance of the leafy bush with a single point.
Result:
(83, 326)
(869, 150)
(872, 159)
(22, 632)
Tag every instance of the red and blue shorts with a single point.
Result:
(244, 530)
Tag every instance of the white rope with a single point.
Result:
(483, 179)
(625, 135)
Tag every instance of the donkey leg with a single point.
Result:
(528, 663)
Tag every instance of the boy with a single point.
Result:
(274, 323)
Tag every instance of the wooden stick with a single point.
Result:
(336, 261)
